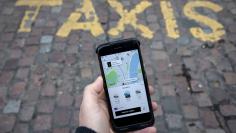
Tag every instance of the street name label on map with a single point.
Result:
(93, 25)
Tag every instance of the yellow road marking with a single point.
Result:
(38, 3)
(170, 21)
(91, 25)
(27, 19)
(216, 27)
(30, 15)
(130, 18)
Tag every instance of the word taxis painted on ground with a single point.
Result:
(93, 25)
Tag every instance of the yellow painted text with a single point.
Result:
(130, 18)
(216, 27)
(92, 21)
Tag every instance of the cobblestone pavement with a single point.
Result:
(43, 71)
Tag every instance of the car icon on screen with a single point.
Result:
(127, 94)
(116, 96)
(137, 91)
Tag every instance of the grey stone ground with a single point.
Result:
(42, 76)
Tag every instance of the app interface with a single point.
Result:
(125, 84)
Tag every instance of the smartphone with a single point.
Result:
(125, 85)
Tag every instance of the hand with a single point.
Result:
(94, 113)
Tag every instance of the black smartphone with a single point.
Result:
(125, 85)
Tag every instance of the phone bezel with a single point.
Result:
(130, 122)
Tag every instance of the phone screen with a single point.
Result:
(125, 84)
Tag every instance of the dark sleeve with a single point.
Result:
(84, 130)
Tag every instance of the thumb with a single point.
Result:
(98, 85)
(93, 90)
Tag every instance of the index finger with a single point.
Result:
(151, 90)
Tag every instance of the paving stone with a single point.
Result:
(197, 86)
(38, 80)
(230, 78)
(19, 43)
(42, 59)
(17, 90)
(7, 37)
(22, 73)
(152, 18)
(159, 55)
(12, 106)
(7, 11)
(161, 126)
(75, 118)
(39, 70)
(183, 40)
(174, 121)
(62, 117)
(49, 90)
(15, 53)
(157, 45)
(42, 122)
(190, 112)
(46, 106)
(59, 46)
(56, 9)
(7, 123)
(72, 50)
(26, 113)
(3, 96)
(223, 65)
(209, 118)
(64, 99)
(232, 28)
(46, 39)
(86, 73)
(233, 11)
(195, 127)
(21, 128)
(32, 40)
(228, 110)
(45, 48)
(190, 63)
(26, 61)
(215, 131)
(31, 95)
(203, 100)
(160, 66)
(170, 105)
(213, 76)
(71, 59)
(78, 100)
(184, 51)
(218, 95)
(61, 130)
(11, 64)
(5, 77)
(154, 26)
(53, 73)
(57, 57)
(31, 50)
(231, 124)
(164, 78)
(168, 90)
